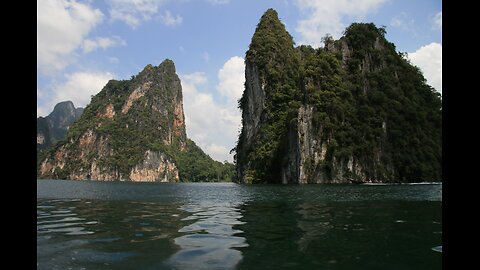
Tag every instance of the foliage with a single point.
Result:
(271, 50)
(196, 166)
(54, 126)
(148, 125)
(370, 104)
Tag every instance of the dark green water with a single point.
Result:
(104, 225)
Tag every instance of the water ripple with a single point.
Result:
(209, 242)
(207, 226)
(64, 220)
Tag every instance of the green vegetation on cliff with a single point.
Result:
(272, 52)
(373, 113)
(196, 166)
(53, 127)
(122, 123)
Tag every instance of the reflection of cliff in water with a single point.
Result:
(209, 242)
(272, 234)
(335, 235)
(315, 220)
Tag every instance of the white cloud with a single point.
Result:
(79, 87)
(62, 25)
(195, 78)
(429, 59)
(41, 111)
(218, 2)
(217, 152)
(232, 78)
(127, 18)
(212, 124)
(170, 20)
(437, 21)
(90, 45)
(326, 17)
(133, 12)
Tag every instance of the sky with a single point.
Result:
(81, 44)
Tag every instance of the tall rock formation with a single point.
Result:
(131, 130)
(270, 99)
(353, 111)
(54, 127)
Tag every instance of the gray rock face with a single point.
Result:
(53, 127)
(43, 134)
(255, 100)
(252, 114)
(62, 116)
(156, 167)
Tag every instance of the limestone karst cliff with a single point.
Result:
(353, 111)
(54, 126)
(133, 130)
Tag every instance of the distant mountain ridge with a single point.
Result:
(54, 127)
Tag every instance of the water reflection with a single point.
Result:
(211, 241)
(225, 226)
(76, 234)
(315, 220)
(63, 219)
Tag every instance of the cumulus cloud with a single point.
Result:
(90, 45)
(78, 87)
(62, 25)
(437, 21)
(217, 152)
(212, 124)
(323, 17)
(232, 78)
(133, 12)
(169, 20)
(195, 78)
(429, 59)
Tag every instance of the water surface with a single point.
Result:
(121, 225)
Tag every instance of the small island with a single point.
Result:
(354, 111)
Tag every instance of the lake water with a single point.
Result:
(121, 225)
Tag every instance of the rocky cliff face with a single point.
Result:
(62, 117)
(155, 167)
(127, 132)
(272, 78)
(355, 112)
(252, 114)
(54, 127)
(312, 157)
